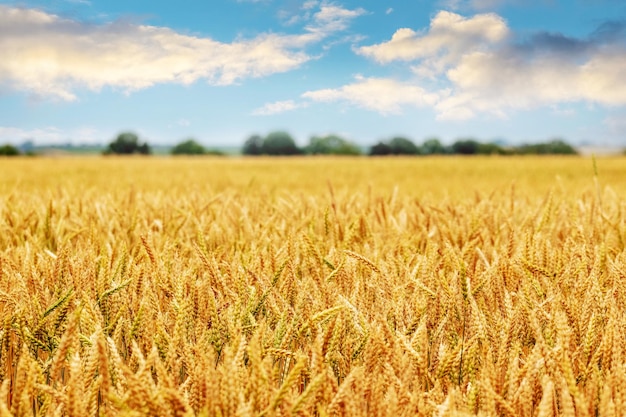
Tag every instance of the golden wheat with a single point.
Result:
(322, 287)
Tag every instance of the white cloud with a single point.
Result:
(448, 37)
(16, 135)
(482, 68)
(289, 19)
(48, 135)
(389, 10)
(328, 19)
(47, 55)
(563, 111)
(495, 82)
(379, 94)
(332, 18)
(310, 4)
(277, 107)
(182, 122)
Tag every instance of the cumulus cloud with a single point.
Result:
(48, 55)
(545, 69)
(485, 68)
(497, 81)
(447, 39)
(277, 107)
(379, 94)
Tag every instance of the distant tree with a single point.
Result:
(188, 147)
(127, 143)
(433, 146)
(491, 149)
(553, 147)
(465, 147)
(279, 143)
(380, 149)
(144, 149)
(331, 145)
(560, 147)
(27, 147)
(9, 150)
(403, 146)
(253, 145)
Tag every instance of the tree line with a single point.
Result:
(281, 143)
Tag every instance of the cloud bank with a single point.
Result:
(49, 134)
(385, 96)
(486, 69)
(277, 107)
(50, 56)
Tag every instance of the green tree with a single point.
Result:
(491, 149)
(465, 147)
(433, 146)
(403, 146)
(188, 147)
(380, 149)
(9, 150)
(127, 143)
(561, 147)
(253, 145)
(214, 152)
(331, 145)
(279, 143)
(553, 147)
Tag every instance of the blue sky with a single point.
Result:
(525, 70)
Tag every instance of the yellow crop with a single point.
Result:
(312, 286)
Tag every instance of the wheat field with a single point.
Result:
(312, 286)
